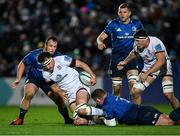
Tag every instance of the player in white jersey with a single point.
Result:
(59, 71)
(156, 63)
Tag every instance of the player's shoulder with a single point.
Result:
(135, 21)
(33, 53)
(154, 39)
(57, 53)
(63, 58)
(37, 50)
(114, 21)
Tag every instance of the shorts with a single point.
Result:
(114, 72)
(73, 87)
(40, 83)
(141, 115)
(165, 70)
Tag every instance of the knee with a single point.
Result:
(136, 92)
(28, 95)
(169, 96)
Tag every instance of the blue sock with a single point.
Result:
(175, 114)
(22, 113)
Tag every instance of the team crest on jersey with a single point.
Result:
(59, 67)
(134, 29)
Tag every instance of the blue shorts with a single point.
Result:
(40, 83)
(114, 72)
(141, 115)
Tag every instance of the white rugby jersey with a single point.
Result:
(62, 74)
(66, 77)
(149, 57)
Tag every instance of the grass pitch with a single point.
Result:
(47, 121)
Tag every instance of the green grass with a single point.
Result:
(46, 120)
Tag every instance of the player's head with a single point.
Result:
(98, 96)
(141, 39)
(124, 12)
(46, 60)
(51, 44)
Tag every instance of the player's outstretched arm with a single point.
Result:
(161, 60)
(100, 41)
(20, 71)
(85, 67)
(55, 88)
(131, 56)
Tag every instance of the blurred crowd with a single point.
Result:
(25, 24)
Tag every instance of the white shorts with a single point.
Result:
(165, 70)
(73, 87)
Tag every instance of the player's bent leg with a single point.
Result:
(81, 121)
(164, 120)
(58, 100)
(138, 88)
(167, 84)
(29, 91)
(116, 85)
(132, 76)
(136, 95)
(82, 96)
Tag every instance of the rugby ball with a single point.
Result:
(85, 78)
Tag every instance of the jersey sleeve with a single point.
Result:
(158, 47)
(64, 60)
(27, 60)
(109, 28)
(46, 76)
(108, 112)
(140, 25)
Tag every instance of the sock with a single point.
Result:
(175, 114)
(22, 113)
(61, 108)
(95, 111)
(65, 114)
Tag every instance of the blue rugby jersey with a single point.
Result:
(122, 37)
(115, 107)
(33, 68)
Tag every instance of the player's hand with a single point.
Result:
(143, 77)
(121, 65)
(15, 83)
(64, 96)
(93, 79)
(101, 46)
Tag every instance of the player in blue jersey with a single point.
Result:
(34, 81)
(121, 31)
(126, 112)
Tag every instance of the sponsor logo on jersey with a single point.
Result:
(58, 77)
(125, 37)
(118, 30)
(158, 48)
(67, 58)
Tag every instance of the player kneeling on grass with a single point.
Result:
(59, 70)
(123, 111)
